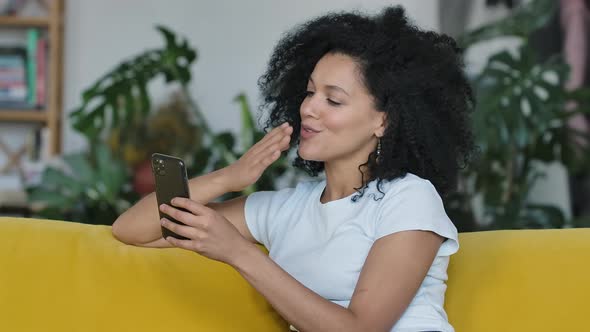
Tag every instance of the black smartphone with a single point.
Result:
(171, 181)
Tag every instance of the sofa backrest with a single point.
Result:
(520, 280)
(63, 276)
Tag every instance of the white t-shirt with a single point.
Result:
(324, 246)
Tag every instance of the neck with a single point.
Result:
(343, 174)
(342, 181)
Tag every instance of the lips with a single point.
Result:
(307, 132)
(309, 128)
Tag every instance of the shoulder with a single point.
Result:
(413, 203)
(410, 196)
(262, 209)
(408, 187)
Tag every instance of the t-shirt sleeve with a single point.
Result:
(261, 209)
(416, 205)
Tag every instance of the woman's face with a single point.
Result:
(340, 110)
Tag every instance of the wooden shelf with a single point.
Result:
(23, 115)
(15, 21)
(50, 117)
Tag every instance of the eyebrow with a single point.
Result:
(333, 87)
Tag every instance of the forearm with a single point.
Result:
(141, 223)
(296, 303)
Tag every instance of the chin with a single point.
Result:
(308, 155)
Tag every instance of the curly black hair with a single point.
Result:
(415, 76)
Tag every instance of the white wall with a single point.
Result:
(234, 40)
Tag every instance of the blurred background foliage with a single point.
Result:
(122, 131)
(520, 121)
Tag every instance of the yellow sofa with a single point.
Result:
(62, 276)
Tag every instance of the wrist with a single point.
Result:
(223, 179)
(244, 256)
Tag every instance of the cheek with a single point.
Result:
(336, 121)
(342, 123)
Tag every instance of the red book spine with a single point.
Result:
(41, 71)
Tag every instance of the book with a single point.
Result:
(41, 75)
(32, 39)
(13, 75)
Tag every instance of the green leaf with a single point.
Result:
(89, 93)
(526, 19)
(169, 36)
(248, 128)
(200, 161)
(227, 139)
(80, 166)
(183, 75)
(106, 171)
(144, 97)
(49, 197)
(219, 164)
(116, 89)
(60, 182)
(542, 216)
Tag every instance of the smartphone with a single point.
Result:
(171, 181)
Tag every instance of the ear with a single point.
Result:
(380, 124)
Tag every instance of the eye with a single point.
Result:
(309, 93)
(333, 103)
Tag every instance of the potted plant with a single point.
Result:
(117, 103)
(520, 120)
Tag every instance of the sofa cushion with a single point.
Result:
(520, 280)
(64, 276)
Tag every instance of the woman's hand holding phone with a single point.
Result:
(207, 232)
(203, 230)
(248, 169)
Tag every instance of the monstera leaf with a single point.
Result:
(518, 99)
(521, 23)
(122, 92)
(520, 121)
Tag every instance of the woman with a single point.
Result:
(382, 108)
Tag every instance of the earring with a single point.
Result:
(378, 158)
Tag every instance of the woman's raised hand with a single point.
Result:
(248, 169)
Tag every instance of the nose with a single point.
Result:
(309, 107)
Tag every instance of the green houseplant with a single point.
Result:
(520, 121)
(120, 99)
(92, 187)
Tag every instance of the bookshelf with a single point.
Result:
(7, 115)
(24, 22)
(50, 114)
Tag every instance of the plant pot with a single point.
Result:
(143, 178)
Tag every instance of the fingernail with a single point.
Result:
(284, 124)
